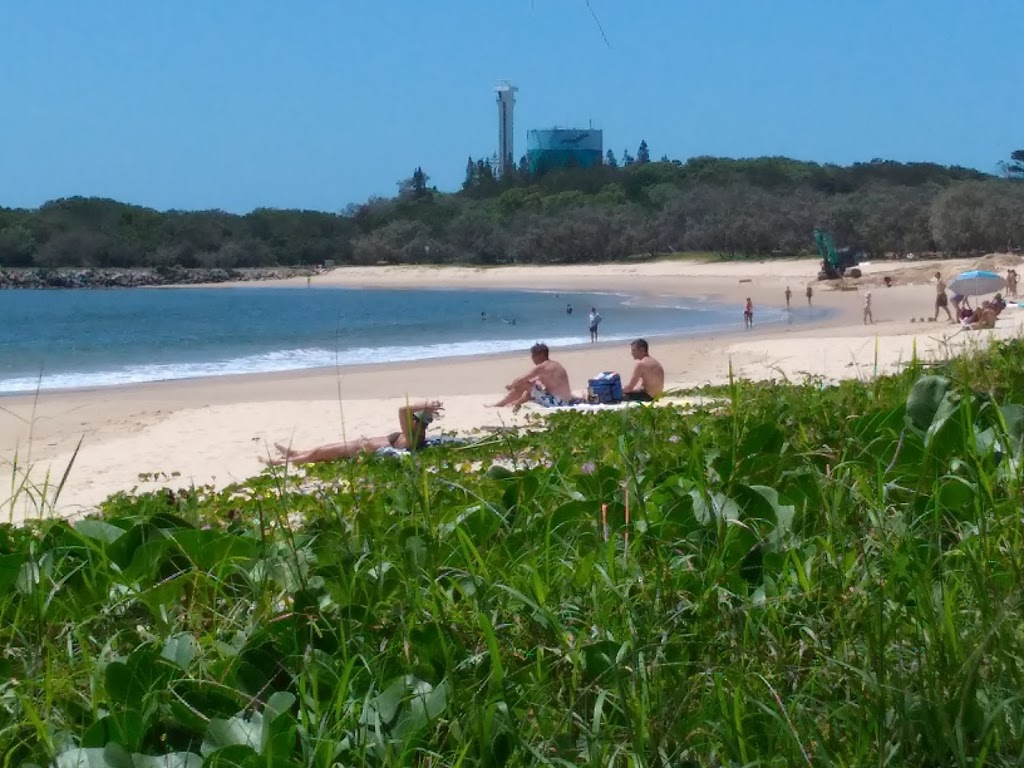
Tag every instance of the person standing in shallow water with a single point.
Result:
(594, 320)
(810, 294)
(789, 295)
(748, 314)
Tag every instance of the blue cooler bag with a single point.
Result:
(605, 388)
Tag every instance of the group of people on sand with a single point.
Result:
(974, 318)
(808, 292)
(546, 383)
(748, 305)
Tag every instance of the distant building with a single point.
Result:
(506, 105)
(564, 148)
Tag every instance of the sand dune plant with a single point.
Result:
(814, 575)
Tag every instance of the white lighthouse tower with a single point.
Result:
(506, 103)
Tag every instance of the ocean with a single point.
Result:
(95, 338)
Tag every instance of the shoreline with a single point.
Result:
(831, 318)
(211, 431)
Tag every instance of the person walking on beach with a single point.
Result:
(941, 299)
(547, 383)
(568, 309)
(594, 320)
(748, 314)
(648, 380)
(868, 318)
(810, 293)
(789, 295)
(413, 420)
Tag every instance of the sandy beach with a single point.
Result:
(213, 431)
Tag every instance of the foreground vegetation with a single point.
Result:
(802, 575)
(759, 207)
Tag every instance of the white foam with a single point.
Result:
(319, 357)
(270, 362)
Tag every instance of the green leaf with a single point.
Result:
(277, 737)
(234, 731)
(206, 698)
(427, 703)
(143, 673)
(115, 756)
(83, 758)
(923, 402)
(233, 756)
(10, 569)
(601, 657)
(171, 760)
(212, 550)
(720, 508)
(498, 472)
(180, 649)
(956, 495)
(99, 530)
(384, 706)
(1013, 417)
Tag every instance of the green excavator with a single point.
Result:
(835, 263)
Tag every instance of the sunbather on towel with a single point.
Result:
(413, 420)
(546, 383)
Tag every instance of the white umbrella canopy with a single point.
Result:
(977, 282)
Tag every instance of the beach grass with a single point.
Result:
(803, 575)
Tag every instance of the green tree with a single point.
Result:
(1014, 169)
(609, 159)
(471, 180)
(16, 246)
(627, 159)
(643, 154)
(415, 187)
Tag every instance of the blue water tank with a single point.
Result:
(564, 148)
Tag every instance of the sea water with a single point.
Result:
(92, 338)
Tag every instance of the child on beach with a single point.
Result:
(868, 318)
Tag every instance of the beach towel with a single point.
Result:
(430, 442)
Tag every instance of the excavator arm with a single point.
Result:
(833, 264)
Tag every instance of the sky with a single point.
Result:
(318, 104)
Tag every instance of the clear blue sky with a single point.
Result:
(238, 104)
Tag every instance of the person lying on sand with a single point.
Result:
(984, 317)
(547, 383)
(648, 381)
(413, 420)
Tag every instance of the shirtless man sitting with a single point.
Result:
(648, 382)
(546, 383)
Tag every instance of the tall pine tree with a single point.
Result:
(643, 155)
(471, 179)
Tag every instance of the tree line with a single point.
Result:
(626, 207)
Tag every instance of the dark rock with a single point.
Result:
(138, 277)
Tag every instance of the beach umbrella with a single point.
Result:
(976, 283)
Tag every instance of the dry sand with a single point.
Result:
(213, 431)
